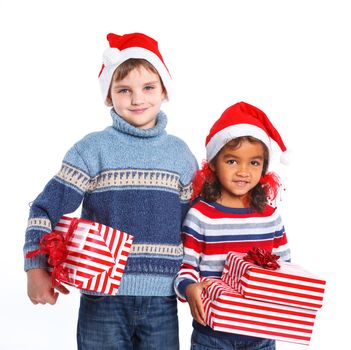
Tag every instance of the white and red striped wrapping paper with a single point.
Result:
(229, 311)
(97, 255)
(289, 285)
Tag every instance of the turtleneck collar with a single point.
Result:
(121, 125)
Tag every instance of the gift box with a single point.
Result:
(228, 311)
(86, 254)
(290, 284)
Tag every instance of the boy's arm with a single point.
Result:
(62, 195)
(186, 188)
(39, 287)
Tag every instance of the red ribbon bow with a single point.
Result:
(263, 258)
(205, 174)
(54, 244)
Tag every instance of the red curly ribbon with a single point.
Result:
(263, 258)
(271, 184)
(205, 174)
(54, 244)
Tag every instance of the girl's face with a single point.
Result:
(138, 97)
(238, 171)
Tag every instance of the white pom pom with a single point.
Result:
(111, 56)
(285, 157)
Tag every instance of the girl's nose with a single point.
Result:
(242, 170)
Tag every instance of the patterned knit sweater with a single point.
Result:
(136, 180)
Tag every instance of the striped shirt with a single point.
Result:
(211, 230)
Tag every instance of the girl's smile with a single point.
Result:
(238, 171)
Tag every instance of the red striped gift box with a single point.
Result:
(228, 311)
(289, 285)
(97, 255)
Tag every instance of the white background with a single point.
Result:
(289, 58)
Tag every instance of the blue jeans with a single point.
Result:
(200, 341)
(127, 322)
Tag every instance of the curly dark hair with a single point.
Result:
(257, 199)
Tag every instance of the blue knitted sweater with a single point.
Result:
(136, 180)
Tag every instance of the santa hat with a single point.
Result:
(124, 47)
(243, 119)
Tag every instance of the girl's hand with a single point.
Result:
(193, 294)
(39, 287)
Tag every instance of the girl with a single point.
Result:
(232, 214)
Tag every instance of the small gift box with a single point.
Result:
(86, 254)
(228, 311)
(289, 284)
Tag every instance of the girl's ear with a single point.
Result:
(212, 166)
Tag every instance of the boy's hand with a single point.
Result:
(39, 287)
(193, 294)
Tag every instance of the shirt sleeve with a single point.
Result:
(189, 271)
(280, 243)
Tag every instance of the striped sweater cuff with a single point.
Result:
(182, 287)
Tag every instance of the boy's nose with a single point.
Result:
(137, 98)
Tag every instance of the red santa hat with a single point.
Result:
(243, 119)
(124, 47)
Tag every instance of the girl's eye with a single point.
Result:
(255, 163)
(149, 87)
(231, 161)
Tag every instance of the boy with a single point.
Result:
(134, 177)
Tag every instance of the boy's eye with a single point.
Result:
(123, 91)
(256, 163)
(149, 87)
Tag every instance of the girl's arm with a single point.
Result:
(189, 272)
(280, 243)
(193, 295)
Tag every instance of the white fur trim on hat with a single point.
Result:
(223, 136)
(285, 157)
(112, 58)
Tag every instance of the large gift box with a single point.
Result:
(228, 311)
(289, 284)
(86, 254)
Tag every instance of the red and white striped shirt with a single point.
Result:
(211, 230)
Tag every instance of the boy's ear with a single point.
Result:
(164, 95)
(109, 101)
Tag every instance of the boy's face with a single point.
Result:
(138, 97)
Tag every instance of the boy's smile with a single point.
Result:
(138, 97)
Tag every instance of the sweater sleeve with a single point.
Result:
(62, 195)
(189, 271)
(186, 188)
(280, 242)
